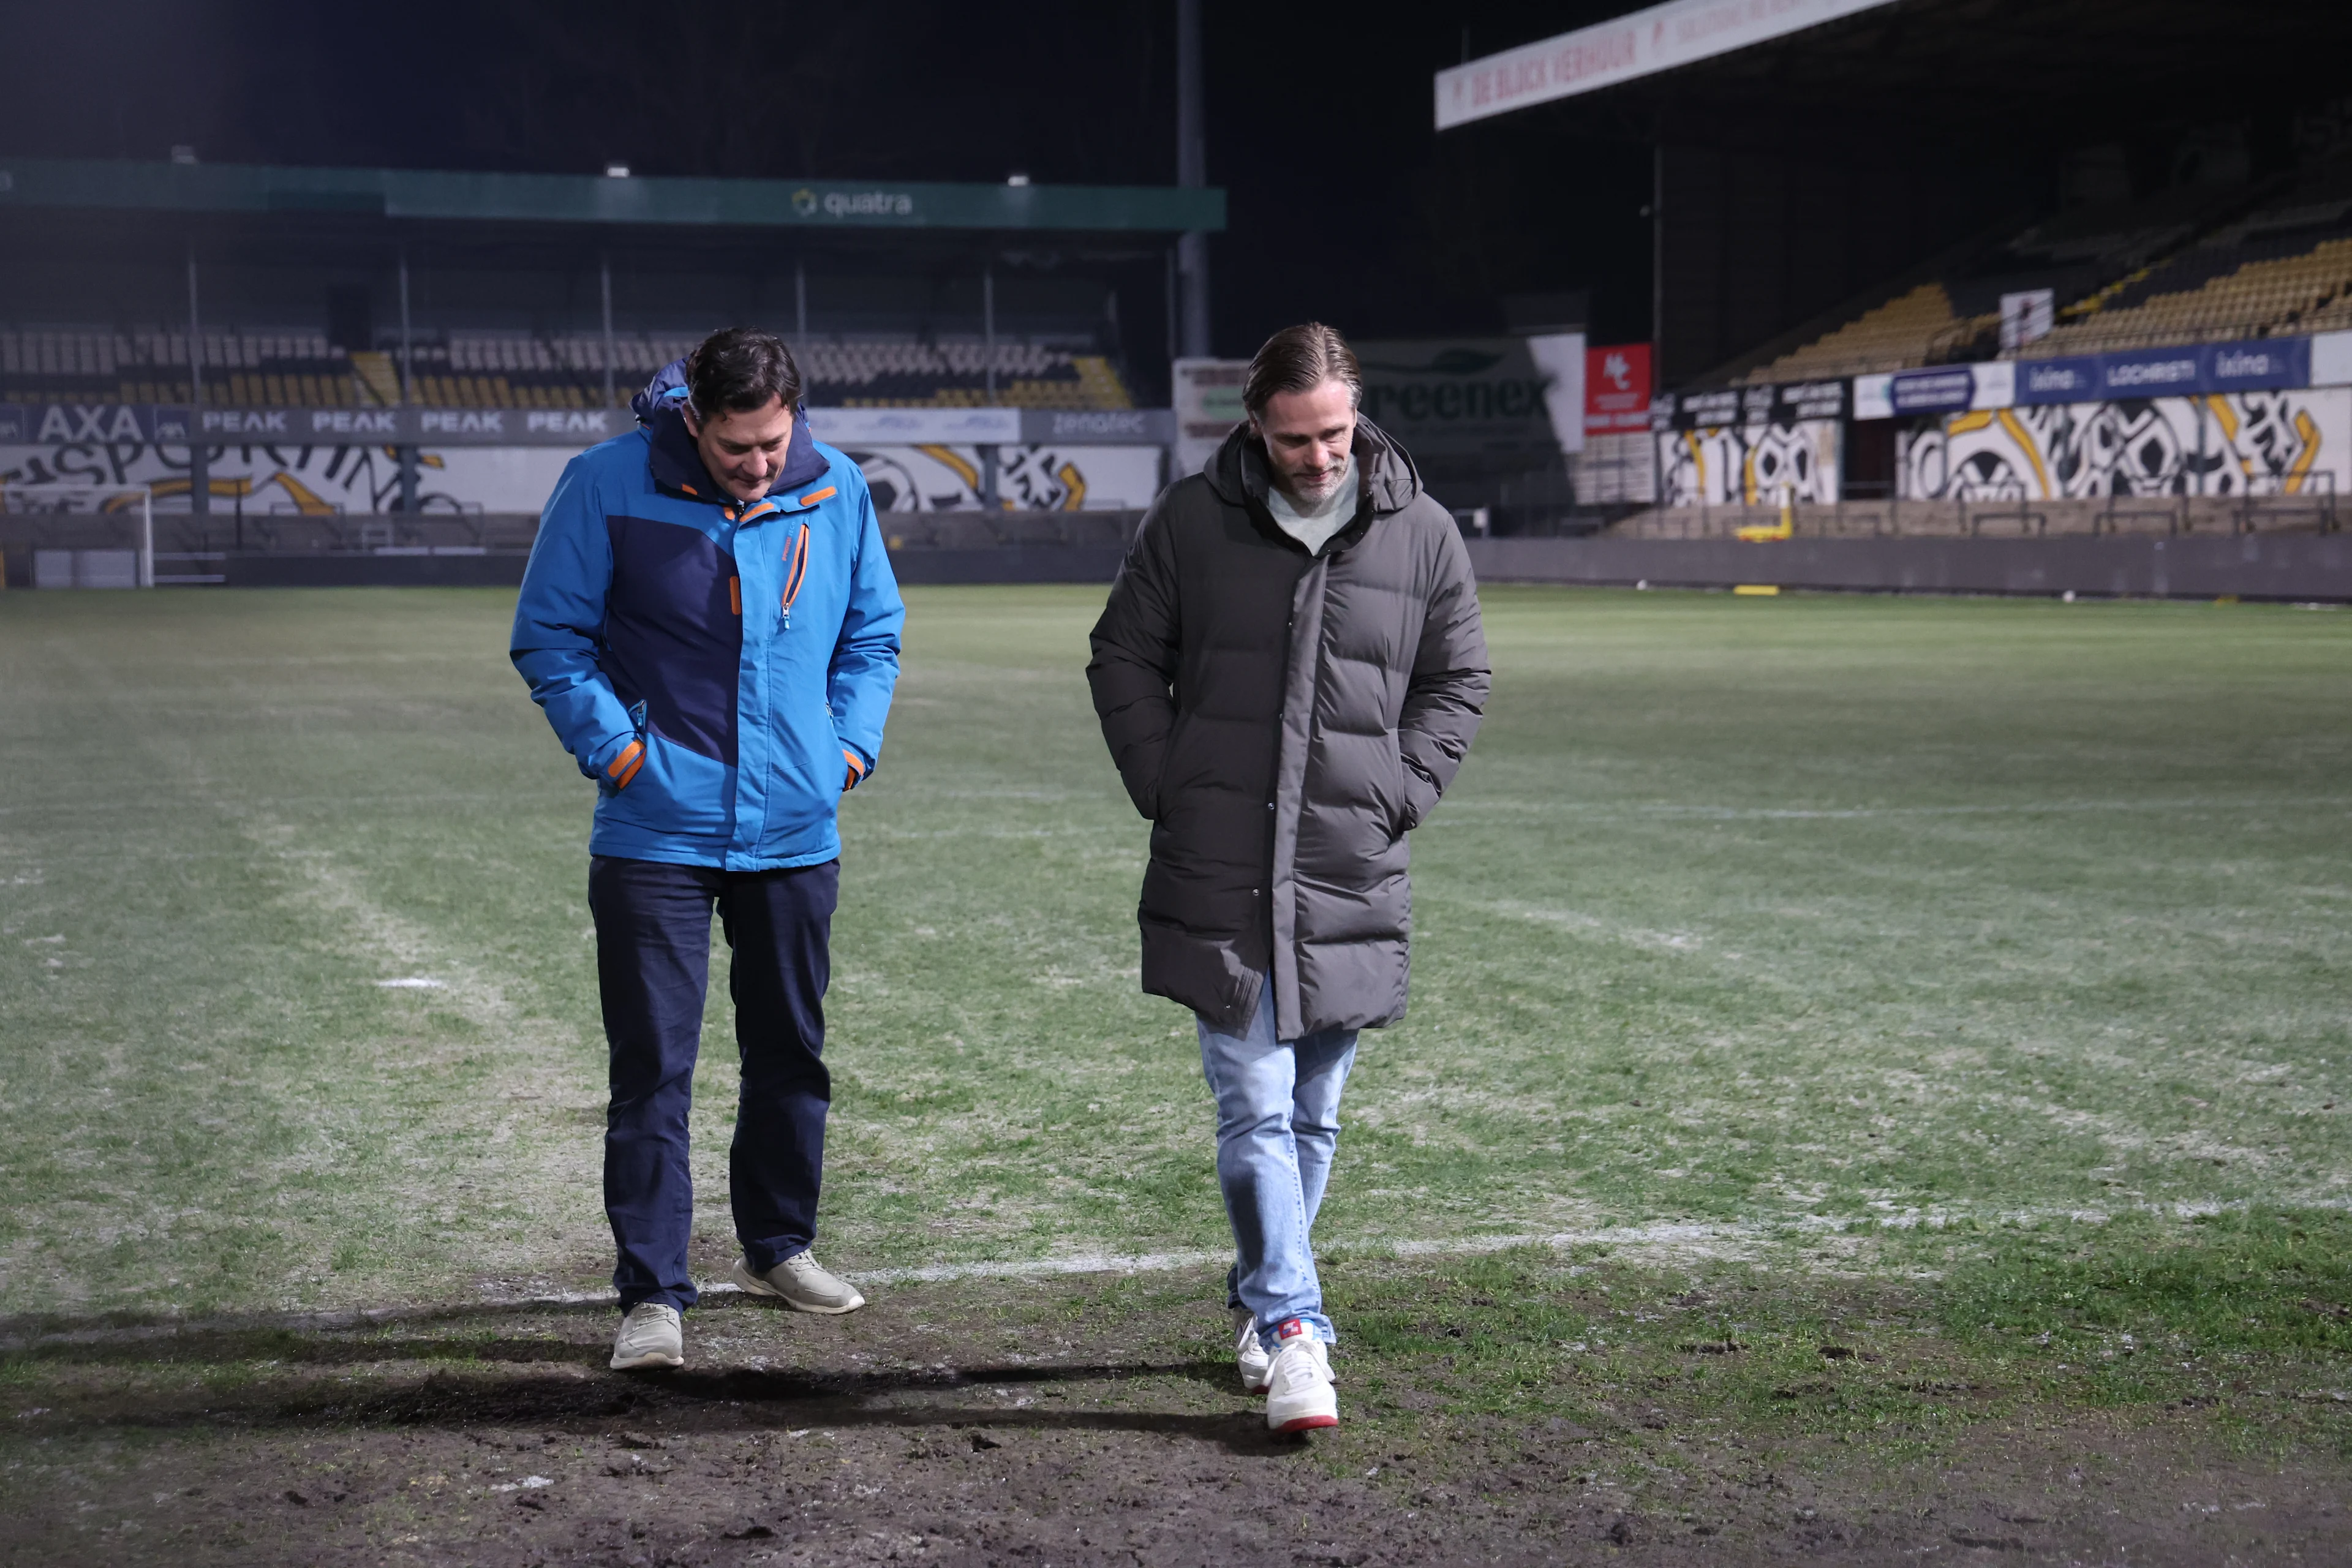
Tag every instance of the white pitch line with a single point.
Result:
(1686, 1234)
(1048, 1267)
(1666, 811)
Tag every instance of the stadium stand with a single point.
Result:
(1897, 335)
(853, 374)
(2251, 298)
(518, 370)
(1957, 316)
(2185, 266)
(2277, 268)
(67, 365)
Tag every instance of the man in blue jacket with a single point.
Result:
(710, 623)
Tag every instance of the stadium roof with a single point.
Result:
(2006, 69)
(1678, 33)
(802, 205)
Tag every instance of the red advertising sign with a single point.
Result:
(1616, 389)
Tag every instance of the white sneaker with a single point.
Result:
(650, 1336)
(801, 1284)
(1299, 1393)
(1249, 1353)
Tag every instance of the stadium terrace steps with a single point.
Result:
(377, 377)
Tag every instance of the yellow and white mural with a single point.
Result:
(322, 481)
(1749, 464)
(2294, 442)
(1028, 478)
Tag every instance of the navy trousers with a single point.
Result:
(653, 961)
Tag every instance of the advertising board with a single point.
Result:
(1616, 389)
(1462, 395)
(1208, 401)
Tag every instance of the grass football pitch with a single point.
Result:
(1974, 947)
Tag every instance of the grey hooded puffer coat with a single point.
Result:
(1283, 721)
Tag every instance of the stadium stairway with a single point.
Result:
(377, 377)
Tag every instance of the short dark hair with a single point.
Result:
(738, 369)
(1299, 359)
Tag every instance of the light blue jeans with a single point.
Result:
(1277, 1125)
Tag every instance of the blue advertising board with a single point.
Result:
(2259, 363)
(2074, 379)
(2151, 373)
(2180, 371)
(1933, 391)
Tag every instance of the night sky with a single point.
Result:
(1345, 204)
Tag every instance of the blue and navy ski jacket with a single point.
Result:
(720, 669)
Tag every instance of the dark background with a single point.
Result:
(1344, 203)
(1799, 177)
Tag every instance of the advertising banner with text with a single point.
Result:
(260, 479)
(571, 428)
(1208, 405)
(1616, 389)
(1459, 395)
(1659, 39)
(1781, 404)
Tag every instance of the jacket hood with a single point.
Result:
(666, 388)
(678, 465)
(1240, 475)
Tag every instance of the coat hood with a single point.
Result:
(1240, 475)
(678, 465)
(667, 388)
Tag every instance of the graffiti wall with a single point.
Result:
(1031, 478)
(317, 480)
(303, 480)
(1749, 464)
(2224, 443)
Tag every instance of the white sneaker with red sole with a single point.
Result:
(1298, 1394)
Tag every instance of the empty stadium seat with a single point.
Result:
(2194, 264)
(2214, 294)
(518, 370)
(1905, 332)
(856, 374)
(89, 365)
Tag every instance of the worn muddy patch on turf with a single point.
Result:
(1511, 1409)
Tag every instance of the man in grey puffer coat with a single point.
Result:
(1288, 672)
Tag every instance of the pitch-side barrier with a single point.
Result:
(2307, 567)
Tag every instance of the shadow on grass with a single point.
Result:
(41, 1331)
(588, 1402)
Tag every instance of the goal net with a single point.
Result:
(83, 536)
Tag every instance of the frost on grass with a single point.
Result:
(1915, 914)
